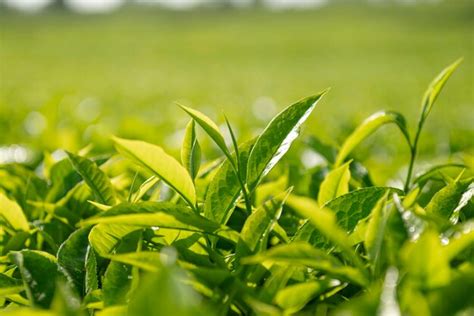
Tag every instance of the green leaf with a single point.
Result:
(9, 285)
(39, 271)
(324, 220)
(369, 126)
(72, 258)
(191, 151)
(117, 278)
(277, 138)
(294, 297)
(147, 260)
(375, 233)
(125, 218)
(302, 253)
(167, 168)
(432, 172)
(95, 178)
(105, 237)
(435, 88)
(91, 280)
(12, 214)
(356, 205)
(425, 262)
(446, 200)
(335, 184)
(143, 189)
(209, 127)
(225, 189)
(175, 296)
(258, 225)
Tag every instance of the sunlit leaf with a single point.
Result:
(369, 126)
(191, 151)
(301, 253)
(155, 159)
(277, 138)
(335, 184)
(209, 127)
(12, 214)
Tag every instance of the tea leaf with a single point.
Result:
(191, 151)
(155, 159)
(369, 126)
(12, 214)
(335, 184)
(209, 127)
(95, 178)
(277, 138)
(39, 271)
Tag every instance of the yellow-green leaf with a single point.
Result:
(156, 160)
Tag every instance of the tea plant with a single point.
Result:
(140, 233)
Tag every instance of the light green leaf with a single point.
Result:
(12, 213)
(277, 138)
(335, 184)
(258, 225)
(95, 178)
(209, 127)
(191, 151)
(446, 200)
(435, 88)
(324, 220)
(9, 285)
(369, 126)
(39, 271)
(146, 260)
(156, 160)
(143, 189)
(294, 297)
(125, 218)
(425, 262)
(105, 237)
(375, 233)
(302, 253)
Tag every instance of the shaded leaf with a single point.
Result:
(38, 271)
(95, 178)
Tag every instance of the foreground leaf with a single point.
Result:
(72, 259)
(38, 271)
(277, 138)
(304, 254)
(155, 159)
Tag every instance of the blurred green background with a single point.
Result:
(69, 79)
